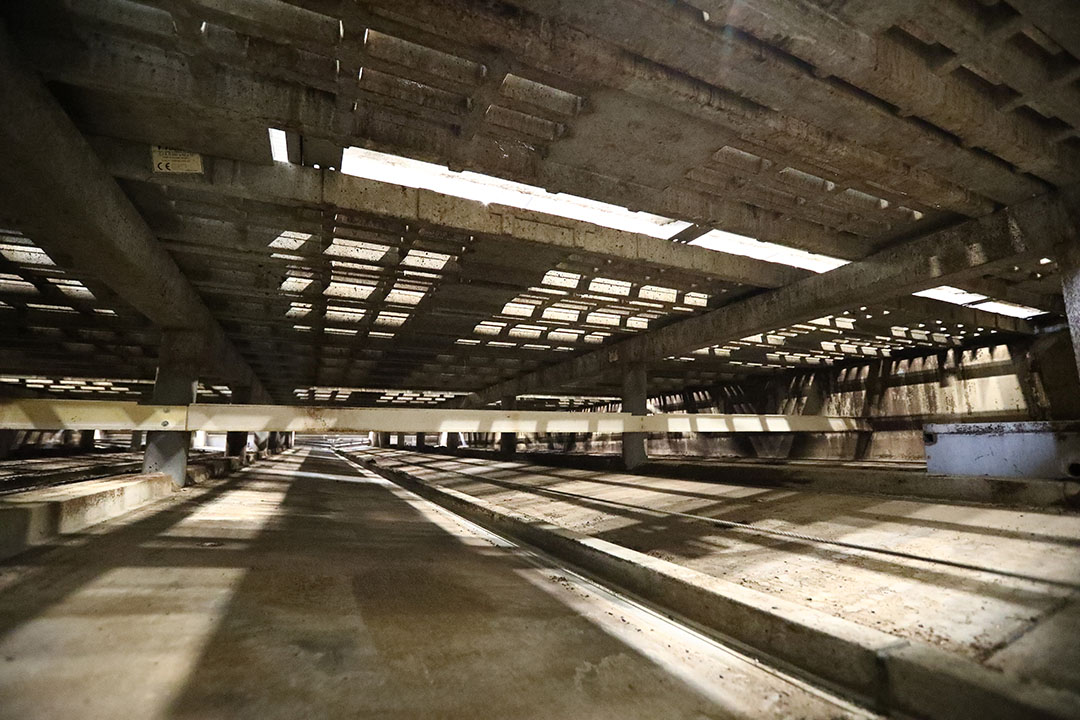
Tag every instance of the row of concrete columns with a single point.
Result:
(634, 399)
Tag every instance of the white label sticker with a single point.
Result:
(166, 160)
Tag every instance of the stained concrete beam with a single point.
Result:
(1028, 230)
(70, 205)
(297, 185)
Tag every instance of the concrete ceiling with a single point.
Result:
(853, 129)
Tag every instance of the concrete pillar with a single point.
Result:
(453, 440)
(136, 441)
(86, 440)
(9, 442)
(421, 441)
(262, 440)
(384, 439)
(176, 382)
(634, 402)
(236, 443)
(236, 440)
(273, 442)
(1069, 266)
(508, 440)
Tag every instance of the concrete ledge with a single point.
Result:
(37, 516)
(31, 518)
(1010, 492)
(888, 673)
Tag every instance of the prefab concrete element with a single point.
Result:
(421, 440)
(136, 443)
(894, 675)
(634, 397)
(73, 208)
(235, 443)
(1022, 231)
(35, 414)
(508, 440)
(176, 383)
(1028, 449)
(86, 440)
(34, 517)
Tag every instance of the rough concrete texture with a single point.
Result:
(973, 581)
(305, 588)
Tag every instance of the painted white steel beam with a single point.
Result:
(34, 414)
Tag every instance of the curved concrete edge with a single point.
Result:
(888, 673)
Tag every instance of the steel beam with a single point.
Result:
(69, 204)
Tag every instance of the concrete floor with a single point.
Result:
(1000, 586)
(303, 587)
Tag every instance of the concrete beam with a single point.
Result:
(1027, 230)
(70, 206)
(297, 185)
(34, 414)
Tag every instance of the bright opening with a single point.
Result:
(486, 189)
(279, 148)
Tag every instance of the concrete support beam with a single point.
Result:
(508, 440)
(66, 201)
(318, 188)
(176, 383)
(634, 389)
(137, 437)
(1021, 232)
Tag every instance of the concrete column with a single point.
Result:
(421, 440)
(86, 440)
(508, 441)
(273, 442)
(634, 402)
(9, 442)
(236, 440)
(1069, 265)
(262, 440)
(453, 440)
(176, 382)
(384, 439)
(136, 441)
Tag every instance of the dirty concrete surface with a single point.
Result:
(306, 587)
(991, 584)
